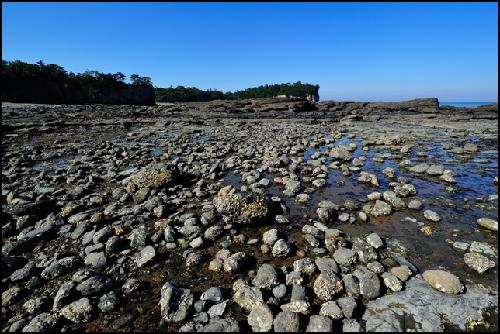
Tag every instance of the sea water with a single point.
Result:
(465, 104)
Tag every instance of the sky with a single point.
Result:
(354, 51)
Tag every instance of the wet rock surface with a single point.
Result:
(249, 216)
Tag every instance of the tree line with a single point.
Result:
(51, 83)
(192, 94)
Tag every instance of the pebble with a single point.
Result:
(443, 281)
(488, 223)
(478, 262)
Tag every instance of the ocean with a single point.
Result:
(464, 104)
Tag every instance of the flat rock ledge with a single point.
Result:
(421, 308)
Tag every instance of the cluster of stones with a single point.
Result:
(79, 240)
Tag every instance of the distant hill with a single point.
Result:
(192, 94)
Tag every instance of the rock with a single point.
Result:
(196, 242)
(239, 209)
(414, 204)
(319, 183)
(216, 265)
(447, 176)
(287, 322)
(482, 247)
(427, 308)
(298, 292)
(64, 294)
(311, 240)
(327, 285)
(380, 208)
(478, 262)
(200, 306)
(402, 272)
(350, 326)
(260, 318)
(193, 259)
(324, 214)
(369, 284)
(435, 170)
(18, 326)
(213, 294)
(234, 262)
(130, 286)
(293, 278)
(331, 309)
(266, 277)
(419, 169)
(103, 234)
(152, 176)
(269, 237)
(431, 215)
(348, 306)
(43, 322)
(351, 285)
(34, 305)
(389, 172)
(362, 216)
(209, 217)
(292, 187)
(201, 317)
(374, 196)
(247, 297)
(146, 256)
(443, 281)
(279, 291)
(405, 190)
(221, 325)
(96, 260)
(302, 198)
(376, 267)
(115, 244)
(319, 323)
(79, 311)
(213, 232)
(217, 310)
(108, 302)
(280, 219)
(488, 223)
(460, 246)
(374, 241)
(304, 266)
(327, 265)
(392, 282)
(21, 274)
(175, 302)
(368, 178)
(12, 295)
(345, 257)
(92, 286)
(280, 248)
(395, 202)
(470, 148)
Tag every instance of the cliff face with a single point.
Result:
(67, 92)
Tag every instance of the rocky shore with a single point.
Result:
(251, 215)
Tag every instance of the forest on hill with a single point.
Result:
(52, 84)
(192, 94)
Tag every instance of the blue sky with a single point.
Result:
(354, 51)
